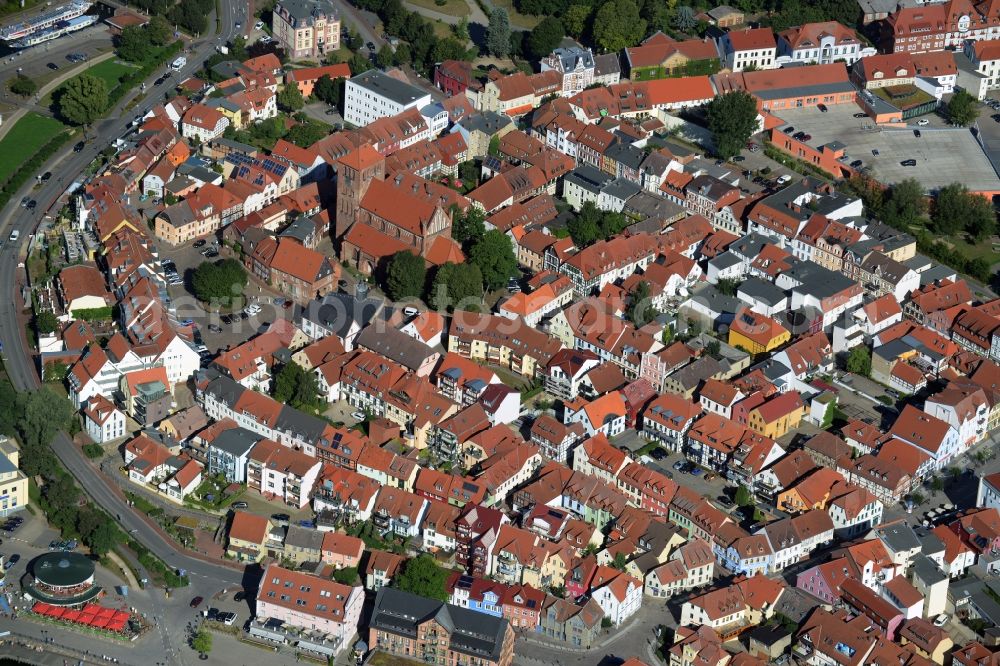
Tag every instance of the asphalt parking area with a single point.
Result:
(943, 155)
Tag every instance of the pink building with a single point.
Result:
(307, 601)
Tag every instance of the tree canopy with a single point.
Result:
(956, 209)
(423, 576)
(963, 108)
(290, 98)
(904, 205)
(83, 99)
(494, 255)
(297, 387)
(732, 120)
(544, 37)
(457, 285)
(406, 274)
(159, 30)
(133, 43)
(327, 90)
(617, 25)
(201, 642)
(640, 310)
(498, 33)
(22, 86)
(46, 322)
(859, 361)
(468, 227)
(220, 282)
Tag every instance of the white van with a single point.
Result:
(14, 235)
(176, 65)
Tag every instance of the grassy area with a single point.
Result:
(449, 7)
(517, 19)
(111, 71)
(24, 139)
(382, 659)
(441, 29)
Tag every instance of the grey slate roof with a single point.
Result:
(305, 10)
(588, 178)
(338, 311)
(487, 122)
(621, 189)
(474, 634)
(236, 442)
(304, 537)
(395, 346)
(382, 84)
(574, 57)
(762, 291)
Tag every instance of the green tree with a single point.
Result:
(22, 86)
(461, 29)
(384, 57)
(494, 255)
(202, 642)
(46, 322)
(222, 281)
(963, 109)
(160, 31)
(619, 561)
(617, 25)
(359, 64)
(956, 209)
(544, 37)
(104, 538)
(640, 310)
(423, 576)
(305, 134)
(685, 19)
(297, 387)
(133, 44)
(290, 98)
(728, 286)
(585, 227)
(83, 99)
(403, 55)
(327, 90)
(346, 576)
(732, 120)
(905, 205)
(467, 228)
(612, 224)
(829, 414)
(405, 275)
(743, 496)
(576, 19)
(859, 361)
(498, 33)
(457, 285)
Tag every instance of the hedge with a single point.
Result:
(94, 314)
(136, 78)
(32, 166)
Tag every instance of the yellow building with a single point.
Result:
(756, 333)
(247, 534)
(776, 417)
(13, 482)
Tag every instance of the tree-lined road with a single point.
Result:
(17, 357)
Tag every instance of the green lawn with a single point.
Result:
(111, 71)
(24, 139)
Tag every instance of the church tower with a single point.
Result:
(355, 171)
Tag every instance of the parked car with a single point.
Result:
(860, 115)
(199, 243)
(916, 133)
(941, 620)
(725, 501)
(697, 471)
(875, 152)
(197, 602)
(358, 415)
(822, 108)
(80, 145)
(738, 158)
(253, 309)
(923, 122)
(856, 164)
(14, 559)
(215, 328)
(784, 179)
(657, 454)
(909, 163)
(211, 614)
(240, 505)
(52, 66)
(788, 130)
(679, 465)
(281, 517)
(239, 596)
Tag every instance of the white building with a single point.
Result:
(374, 94)
(822, 44)
(306, 28)
(748, 48)
(103, 421)
(619, 597)
(979, 67)
(576, 65)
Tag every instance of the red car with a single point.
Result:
(196, 602)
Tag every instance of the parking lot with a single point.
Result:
(943, 154)
(219, 329)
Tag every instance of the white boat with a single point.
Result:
(60, 29)
(43, 21)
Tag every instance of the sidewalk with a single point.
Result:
(12, 119)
